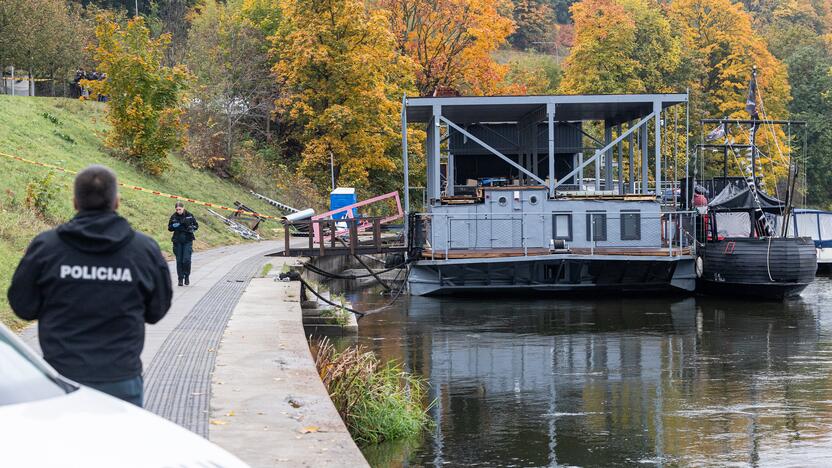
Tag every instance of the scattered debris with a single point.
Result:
(235, 227)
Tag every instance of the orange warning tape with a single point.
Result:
(142, 189)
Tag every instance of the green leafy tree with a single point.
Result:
(144, 95)
(46, 38)
(344, 82)
(809, 68)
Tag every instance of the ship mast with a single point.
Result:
(751, 106)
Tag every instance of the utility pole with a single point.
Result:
(137, 8)
(332, 169)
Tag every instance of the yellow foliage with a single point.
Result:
(143, 95)
(344, 84)
(621, 46)
(451, 42)
(722, 48)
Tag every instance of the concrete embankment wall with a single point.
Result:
(268, 404)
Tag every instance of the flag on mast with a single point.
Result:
(717, 133)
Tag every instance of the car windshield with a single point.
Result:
(22, 380)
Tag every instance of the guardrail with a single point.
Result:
(342, 237)
(523, 234)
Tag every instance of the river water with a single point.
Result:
(692, 381)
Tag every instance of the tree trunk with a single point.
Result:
(229, 138)
(31, 82)
(269, 123)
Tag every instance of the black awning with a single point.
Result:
(733, 198)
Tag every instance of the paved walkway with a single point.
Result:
(268, 404)
(180, 350)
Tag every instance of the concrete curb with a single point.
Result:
(268, 404)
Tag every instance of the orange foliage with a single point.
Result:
(451, 42)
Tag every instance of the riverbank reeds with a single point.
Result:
(377, 401)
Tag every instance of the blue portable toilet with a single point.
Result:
(341, 197)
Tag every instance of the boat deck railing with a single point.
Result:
(441, 236)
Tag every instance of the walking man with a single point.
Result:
(183, 224)
(92, 284)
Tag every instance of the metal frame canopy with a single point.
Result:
(611, 108)
(635, 111)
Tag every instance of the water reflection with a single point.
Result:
(694, 381)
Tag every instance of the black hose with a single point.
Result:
(358, 314)
(307, 286)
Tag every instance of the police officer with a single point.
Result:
(92, 284)
(183, 224)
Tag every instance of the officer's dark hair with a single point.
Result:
(178, 204)
(96, 188)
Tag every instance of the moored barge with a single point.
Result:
(517, 201)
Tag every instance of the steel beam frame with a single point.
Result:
(492, 150)
(641, 123)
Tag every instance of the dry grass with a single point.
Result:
(377, 401)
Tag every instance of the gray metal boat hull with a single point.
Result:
(558, 273)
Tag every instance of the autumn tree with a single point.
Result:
(797, 32)
(229, 55)
(534, 74)
(144, 96)
(533, 21)
(343, 87)
(171, 16)
(621, 46)
(451, 42)
(721, 49)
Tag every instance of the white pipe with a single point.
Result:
(303, 214)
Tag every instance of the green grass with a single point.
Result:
(266, 269)
(70, 134)
(377, 401)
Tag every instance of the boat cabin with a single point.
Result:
(522, 172)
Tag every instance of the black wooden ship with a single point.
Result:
(745, 247)
(743, 256)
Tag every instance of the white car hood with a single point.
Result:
(89, 429)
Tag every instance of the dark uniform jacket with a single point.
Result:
(92, 283)
(184, 231)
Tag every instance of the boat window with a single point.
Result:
(733, 224)
(825, 226)
(533, 199)
(596, 223)
(630, 225)
(562, 226)
(502, 201)
(807, 225)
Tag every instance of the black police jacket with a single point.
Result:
(182, 226)
(92, 284)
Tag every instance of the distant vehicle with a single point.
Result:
(48, 420)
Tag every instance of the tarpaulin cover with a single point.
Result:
(733, 198)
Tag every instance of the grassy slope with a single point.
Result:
(25, 132)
